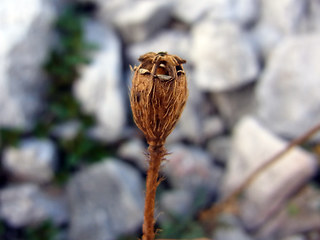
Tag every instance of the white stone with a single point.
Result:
(242, 11)
(106, 200)
(175, 42)
(26, 205)
(223, 56)
(220, 148)
(177, 202)
(191, 168)
(99, 88)
(25, 38)
(33, 160)
(134, 150)
(266, 38)
(141, 19)
(67, 130)
(229, 228)
(212, 127)
(190, 124)
(253, 146)
(288, 92)
(287, 16)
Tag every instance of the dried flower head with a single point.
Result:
(158, 95)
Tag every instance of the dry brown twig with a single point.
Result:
(158, 96)
(209, 215)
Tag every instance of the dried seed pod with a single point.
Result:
(158, 95)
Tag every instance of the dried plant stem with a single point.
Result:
(156, 155)
(218, 208)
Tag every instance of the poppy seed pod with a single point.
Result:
(158, 95)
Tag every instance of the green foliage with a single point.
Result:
(127, 237)
(77, 150)
(63, 64)
(45, 231)
(185, 227)
(9, 137)
(181, 228)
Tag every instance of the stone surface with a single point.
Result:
(67, 130)
(287, 16)
(99, 89)
(234, 104)
(253, 145)
(265, 39)
(177, 202)
(33, 160)
(105, 200)
(229, 228)
(190, 124)
(314, 18)
(141, 19)
(242, 11)
(212, 127)
(220, 149)
(287, 94)
(26, 205)
(191, 169)
(25, 39)
(299, 215)
(223, 56)
(134, 150)
(172, 41)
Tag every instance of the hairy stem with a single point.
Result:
(157, 154)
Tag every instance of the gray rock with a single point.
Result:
(189, 12)
(99, 89)
(299, 215)
(191, 169)
(106, 200)
(67, 130)
(314, 18)
(287, 93)
(234, 104)
(220, 148)
(287, 16)
(141, 19)
(253, 146)
(229, 228)
(266, 38)
(172, 41)
(295, 237)
(134, 150)
(223, 56)
(212, 127)
(190, 124)
(25, 39)
(177, 202)
(26, 205)
(242, 11)
(33, 160)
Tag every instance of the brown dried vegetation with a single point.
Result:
(158, 96)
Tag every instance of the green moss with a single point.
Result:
(45, 231)
(9, 137)
(185, 227)
(63, 64)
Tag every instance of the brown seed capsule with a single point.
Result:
(158, 95)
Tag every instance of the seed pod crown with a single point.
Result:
(158, 95)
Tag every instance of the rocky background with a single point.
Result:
(72, 161)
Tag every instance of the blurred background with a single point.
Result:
(73, 162)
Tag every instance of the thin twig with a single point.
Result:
(218, 208)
